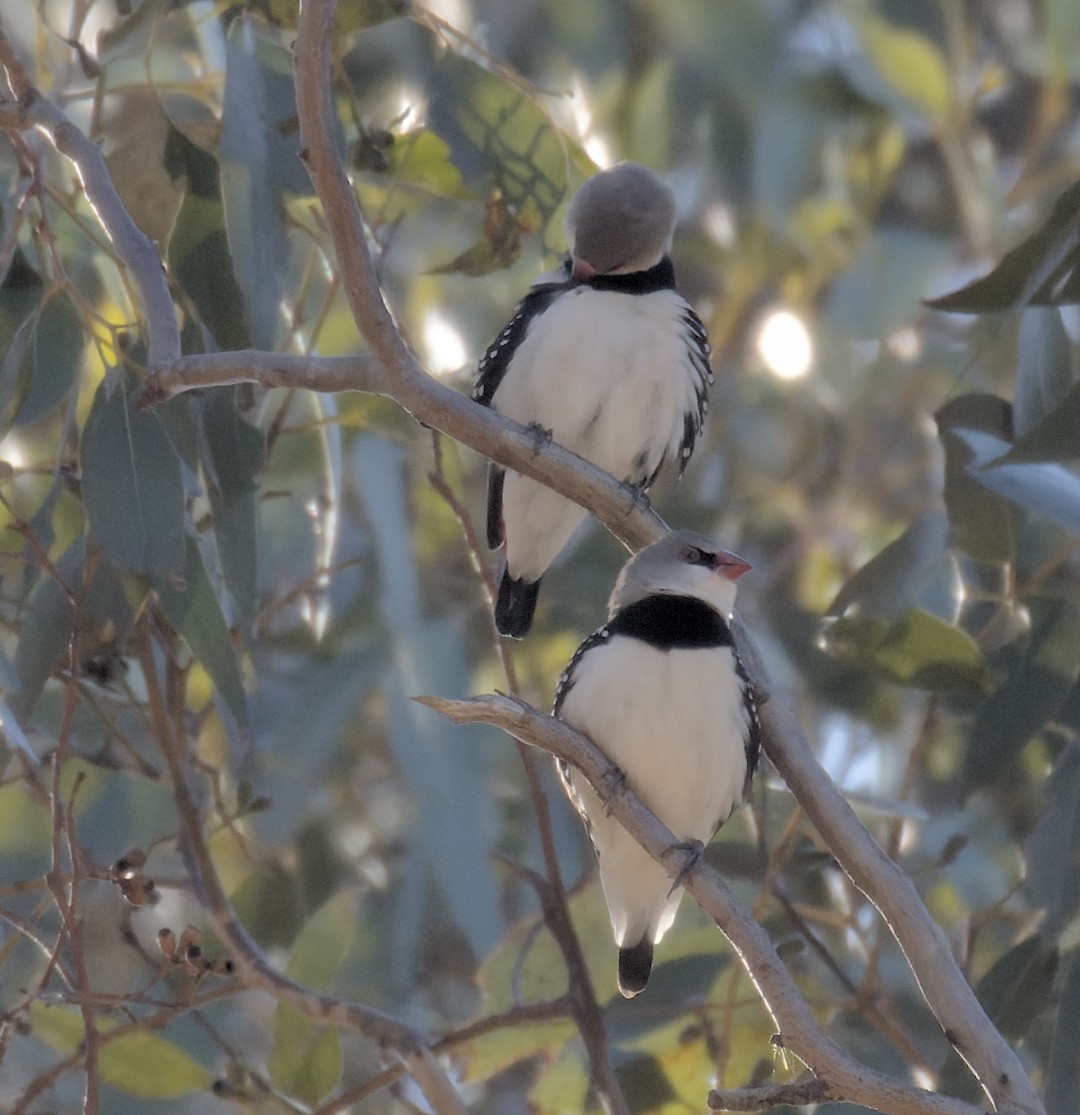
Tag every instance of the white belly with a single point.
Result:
(675, 724)
(610, 376)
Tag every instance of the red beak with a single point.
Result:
(730, 565)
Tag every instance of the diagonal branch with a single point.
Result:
(30, 111)
(412, 1047)
(844, 1078)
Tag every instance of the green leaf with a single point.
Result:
(447, 772)
(893, 581)
(306, 1060)
(194, 610)
(1054, 438)
(1042, 270)
(1033, 693)
(422, 158)
(57, 354)
(1048, 489)
(909, 63)
(199, 256)
(104, 612)
(1045, 370)
(234, 453)
(918, 650)
(1018, 987)
(132, 488)
(1052, 853)
(981, 523)
(506, 148)
(141, 1063)
(561, 1086)
(259, 164)
(1063, 1077)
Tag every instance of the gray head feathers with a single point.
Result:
(682, 563)
(622, 220)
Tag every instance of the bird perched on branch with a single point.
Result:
(660, 689)
(608, 360)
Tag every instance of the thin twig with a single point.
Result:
(138, 253)
(253, 967)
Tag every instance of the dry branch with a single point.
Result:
(32, 111)
(799, 1032)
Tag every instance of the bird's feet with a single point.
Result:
(640, 492)
(541, 436)
(692, 852)
(614, 784)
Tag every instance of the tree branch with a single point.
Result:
(138, 253)
(993, 1062)
(799, 1032)
(253, 968)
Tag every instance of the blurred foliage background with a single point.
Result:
(903, 478)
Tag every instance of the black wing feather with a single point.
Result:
(495, 362)
(699, 350)
(598, 638)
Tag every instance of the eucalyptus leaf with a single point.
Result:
(917, 649)
(260, 163)
(142, 1063)
(45, 636)
(1016, 989)
(1052, 853)
(447, 772)
(1042, 270)
(1048, 489)
(1054, 438)
(908, 63)
(235, 451)
(981, 523)
(506, 149)
(893, 580)
(199, 258)
(1045, 371)
(1033, 693)
(193, 608)
(1063, 1079)
(306, 1060)
(132, 487)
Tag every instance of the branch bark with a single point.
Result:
(31, 110)
(412, 1047)
(798, 1030)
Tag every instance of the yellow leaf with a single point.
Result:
(910, 63)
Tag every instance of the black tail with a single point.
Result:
(635, 964)
(515, 606)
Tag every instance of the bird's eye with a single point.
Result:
(693, 556)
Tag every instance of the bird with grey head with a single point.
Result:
(661, 690)
(607, 359)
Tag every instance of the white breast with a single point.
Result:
(610, 376)
(674, 722)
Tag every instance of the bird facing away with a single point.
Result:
(608, 360)
(662, 692)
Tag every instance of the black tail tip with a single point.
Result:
(515, 606)
(635, 964)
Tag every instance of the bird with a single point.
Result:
(661, 690)
(607, 359)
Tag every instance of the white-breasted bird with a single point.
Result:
(660, 689)
(609, 359)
